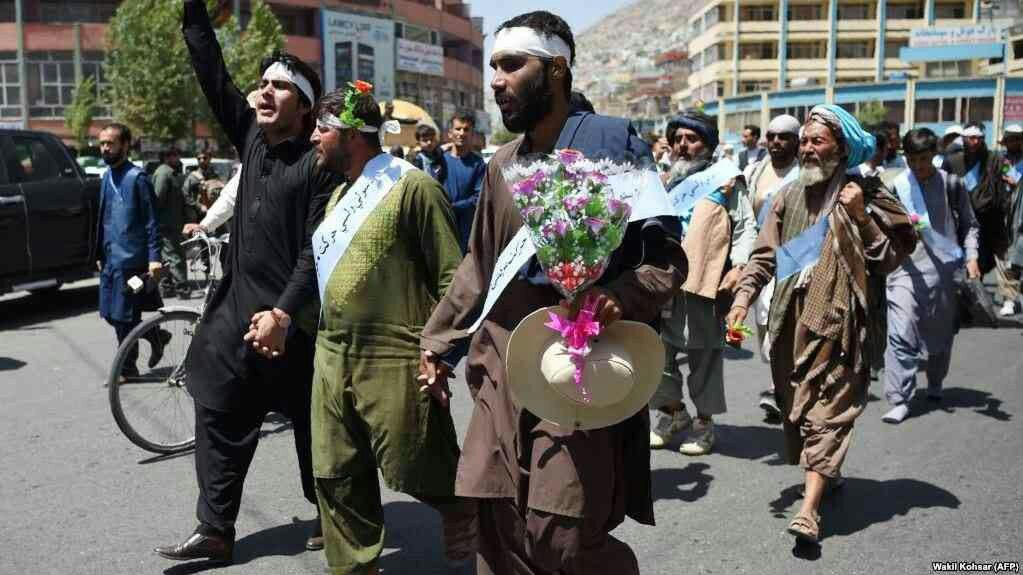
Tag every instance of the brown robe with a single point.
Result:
(508, 453)
(819, 360)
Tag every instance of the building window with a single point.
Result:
(758, 51)
(978, 109)
(955, 10)
(92, 66)
(910, 11)
(753, 86)
(711, 17)
(894, 46)
(947, 69)
(854, 12)
(806, 12)
(51, 82)
(62, 11)
(6, 10)
(927, 111)
(758, 13)
(294, 21)
(855, 80)
(416, 33)
(10, 86)
(805, 50)
(855, 49)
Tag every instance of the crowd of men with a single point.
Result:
(356, 281)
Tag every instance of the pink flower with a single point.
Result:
(568, 156)
(619, 209)
(595, 224)
(575, 203)
(597, 177)
(914, 219)
(557, 228)
(527, 187)
(533, 214)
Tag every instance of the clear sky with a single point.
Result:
(579, 14)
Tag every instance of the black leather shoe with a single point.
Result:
(199, 546)
(315, 541)
(158, 343)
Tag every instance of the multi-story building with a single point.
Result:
(47, 46)
(754, 58)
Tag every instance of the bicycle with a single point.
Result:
(153, 408)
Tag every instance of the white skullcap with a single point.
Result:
(784, 124)
(1014, 129)
(954, 129)
(525, 40)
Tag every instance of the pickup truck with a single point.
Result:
(48, 214)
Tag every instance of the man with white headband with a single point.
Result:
(981, 172)
(386, 252)
(280, 198)
(548, 496)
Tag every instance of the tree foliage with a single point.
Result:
(871, 113)
(501, 137)
(78, 116)
(152, 85)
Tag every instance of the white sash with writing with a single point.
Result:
(648, 200)
(332, 238)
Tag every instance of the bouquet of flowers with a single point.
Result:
(575, 217)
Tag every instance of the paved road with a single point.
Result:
(77, 498)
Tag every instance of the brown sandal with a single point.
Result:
(805, 527)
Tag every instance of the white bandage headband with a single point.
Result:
(973, 131)
(278, 71)
(332, 121)
(525, 40)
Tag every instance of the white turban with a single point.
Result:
(784, 124)
(527, 41)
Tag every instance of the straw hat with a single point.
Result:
(621, 373)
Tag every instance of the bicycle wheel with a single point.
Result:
(148, 397)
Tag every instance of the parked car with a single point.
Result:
(48, 214)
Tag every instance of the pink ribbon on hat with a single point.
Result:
(576, 334)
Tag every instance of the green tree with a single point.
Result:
(243, 53)
(501, 137)
(152, 85)
(871, 113)
(78, 116)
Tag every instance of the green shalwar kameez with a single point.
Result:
(367, 412)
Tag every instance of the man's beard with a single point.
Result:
(815, 172)
(111, 159)
(535, 102)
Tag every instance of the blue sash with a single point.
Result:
(912, 197)
(694, 188)
(768, 199)
(972, 178)
(801, 251)
(1016, 171)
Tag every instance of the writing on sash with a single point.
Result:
(333, 236)
(695, 187)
